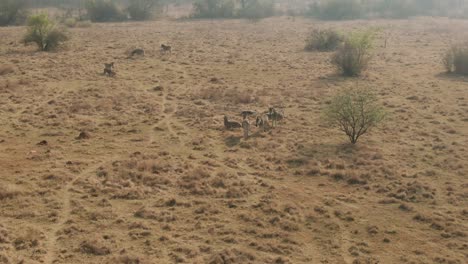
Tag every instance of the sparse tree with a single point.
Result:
(44, 33)
(354, 112)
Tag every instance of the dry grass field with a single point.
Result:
(156, 178)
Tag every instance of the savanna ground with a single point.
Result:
(159, 180)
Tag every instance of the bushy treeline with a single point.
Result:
(251, 9)
(12, 12)
(108, 11)
(356, 9)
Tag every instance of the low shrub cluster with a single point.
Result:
(44, 33)
(354, 55)
(456, 59)
(323, 40)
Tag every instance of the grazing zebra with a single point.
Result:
(262, 121)
(231, 124)
(109, 69)
(246, 128)
(165, 48)
(275, 116)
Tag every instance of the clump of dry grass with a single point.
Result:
(7, 193)
(323, 40)
(94, 248)
(455, 59)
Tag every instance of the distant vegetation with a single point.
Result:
(354, 55)
(357, 9)
(337, 10)
(456, 59)
(44, 33)
(323, 40)
(104, 11)
(354, 112)
(12, 12)
(256, 9)
(142, 9)
(251, 9)
(213, 9)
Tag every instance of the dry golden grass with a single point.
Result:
(158, 180)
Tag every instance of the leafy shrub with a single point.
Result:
(354, 55)
(70, 22)
(12, 12)
(337, 10)
(214, 9)
(323, 40)
(257, 9)
(141, 9)
(44, 33)
(456, 59)
(354, 112)
(104, 11)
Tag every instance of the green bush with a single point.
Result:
(323, 40)
(354, 112)
(12, 12)
(44, 33)
(456, 59)
(257, 9)
(70, 22)
(104, 11)
(214, 9)
(337, 10)
(354, 55)
(142, 9)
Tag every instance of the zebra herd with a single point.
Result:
(264, 121)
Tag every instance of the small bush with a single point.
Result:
(354, 112)
(141, 9)
(456, 59)
(104, 11)
(12, 12)
(70, 22)
(257, 9)
(354, 55)
(337, 10)
(323, 40)
(214, 9)
(44, 33)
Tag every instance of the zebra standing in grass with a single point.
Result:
(275, 116)
(246, 127)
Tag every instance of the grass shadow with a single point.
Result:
(329, 151)
(450, 76)
(232, 141)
